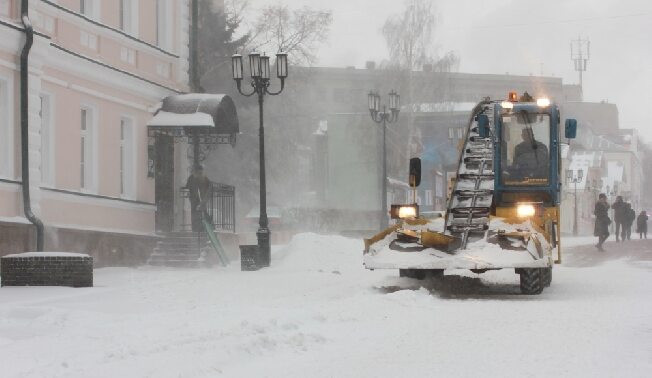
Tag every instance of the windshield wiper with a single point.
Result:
(530, 132)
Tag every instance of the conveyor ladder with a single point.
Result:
(471, 198)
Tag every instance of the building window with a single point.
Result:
(4, 7)
(428, 196)
(127, 181)
(163, 24)
(88, 40)
(129, 16)
(451, 133)
(87, 161)
(6, 130)
(47, 141)
(460, 133)
(90, 8)
(163, 69)
(128, 55)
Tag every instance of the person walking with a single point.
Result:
(641, 224)
(602, 221)
(630, 217)
(619, 215)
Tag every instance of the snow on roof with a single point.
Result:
(615, 173)
(166, 119)
(201, 96)
(584, 160)
(48, 254)
(215, 113)
(398, 183)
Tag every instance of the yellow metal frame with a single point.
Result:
(543, 224)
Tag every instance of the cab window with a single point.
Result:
(525, 158)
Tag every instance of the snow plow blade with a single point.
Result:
(378, 237)
(440, 241)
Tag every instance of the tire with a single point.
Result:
(546, 274)
(531, 281)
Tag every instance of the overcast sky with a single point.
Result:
(521, 37)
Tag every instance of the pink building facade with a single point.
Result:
(98, 70)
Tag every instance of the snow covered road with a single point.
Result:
(317, 313)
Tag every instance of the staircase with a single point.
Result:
(181, 249)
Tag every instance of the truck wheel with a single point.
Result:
(531, 281)
(417, 274)
(546, 274)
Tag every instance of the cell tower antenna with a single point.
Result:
(580, 54)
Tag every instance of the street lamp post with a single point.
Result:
(571, 178)
(259, 69)
(384, 117)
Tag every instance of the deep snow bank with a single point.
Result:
(314, 252)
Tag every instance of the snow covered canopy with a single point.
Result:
(210, 117)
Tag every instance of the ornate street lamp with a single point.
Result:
(384, 118)
(259, 69)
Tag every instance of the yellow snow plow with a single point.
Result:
(503, 209)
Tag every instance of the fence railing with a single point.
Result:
(220, 207)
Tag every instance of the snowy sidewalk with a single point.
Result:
(317, 313)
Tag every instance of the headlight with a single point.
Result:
(543, 102)
(404, 211)
(407, 212)
(525, 210)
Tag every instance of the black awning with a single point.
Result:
(213, 117)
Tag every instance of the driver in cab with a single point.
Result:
(530, 158)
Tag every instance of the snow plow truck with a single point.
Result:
(503, 210)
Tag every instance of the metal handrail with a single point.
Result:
(220, 207)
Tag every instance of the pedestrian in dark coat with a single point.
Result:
(641, 224)
(630, 217)
(619, 215)
(602, 221)
(198, 187)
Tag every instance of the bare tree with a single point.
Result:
(298, 32)
(409, 34)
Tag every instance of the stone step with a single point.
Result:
(177, 263)
(181, 239)
(162, 252)
(181, 245)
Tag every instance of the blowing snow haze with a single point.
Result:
(518, 37)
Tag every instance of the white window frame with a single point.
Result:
(4, 7)
(129, 13)
(89, 183)
(128, 55)
(7, 125)
(48, 140)
(451, 133)
(428, 197)
(164, 24)
(127, 158)
(91, 9)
